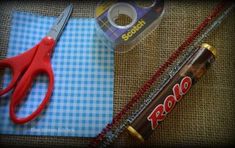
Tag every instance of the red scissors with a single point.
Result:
(28, 65)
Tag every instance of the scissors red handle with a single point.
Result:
(28, 66)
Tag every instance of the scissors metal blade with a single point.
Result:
(60, 23)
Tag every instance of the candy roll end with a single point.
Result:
(210, 48)
(135, 134)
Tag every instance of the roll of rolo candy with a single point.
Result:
(164, 102)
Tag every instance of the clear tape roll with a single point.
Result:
(123, 23)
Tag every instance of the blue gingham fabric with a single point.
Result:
(82, 100)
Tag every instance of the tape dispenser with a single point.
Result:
(125, 22)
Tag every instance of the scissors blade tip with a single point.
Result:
(61, 22)
(69, 8)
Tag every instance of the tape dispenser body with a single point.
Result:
(143, 19)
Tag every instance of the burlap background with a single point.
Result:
(206, 114)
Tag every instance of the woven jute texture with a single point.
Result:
(206, 115)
